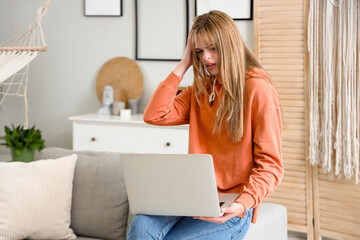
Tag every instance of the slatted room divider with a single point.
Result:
(316, 203)
(279, 34)
(337, 207)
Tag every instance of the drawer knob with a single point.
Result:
(168, 144)
(93, 139)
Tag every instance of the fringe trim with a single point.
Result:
(333, 44)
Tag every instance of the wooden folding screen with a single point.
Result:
(316, 203)
(279, 34)
(337, 207)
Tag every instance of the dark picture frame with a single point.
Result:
(103, 8)
(154, 39)
(237, 9)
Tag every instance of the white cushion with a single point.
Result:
(35, 199)
(271, 223)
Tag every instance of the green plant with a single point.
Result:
(19, 139)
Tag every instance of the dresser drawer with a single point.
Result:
(129, 139)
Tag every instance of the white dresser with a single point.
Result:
(110, 133)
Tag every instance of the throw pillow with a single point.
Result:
(100, 206)
(35, 199)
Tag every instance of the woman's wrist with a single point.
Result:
(243, 207)
(180, 69)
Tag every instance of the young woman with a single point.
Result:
(233, 112)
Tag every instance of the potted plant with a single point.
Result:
(23, 142)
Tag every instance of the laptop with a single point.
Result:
(173, 185)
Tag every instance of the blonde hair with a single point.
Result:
(235, 59)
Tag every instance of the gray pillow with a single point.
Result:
(99, 204)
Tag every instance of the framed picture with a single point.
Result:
(161, 28)
(237, 9)
(105, 8)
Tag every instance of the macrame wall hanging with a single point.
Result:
(15, 56)
(334, 84)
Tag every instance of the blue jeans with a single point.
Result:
(145, 227)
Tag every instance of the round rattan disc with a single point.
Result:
(124, 75)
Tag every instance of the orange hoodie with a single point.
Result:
(253, 166)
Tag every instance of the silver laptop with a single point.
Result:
(173, 185)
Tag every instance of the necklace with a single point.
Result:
(212, 95)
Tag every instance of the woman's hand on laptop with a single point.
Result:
(235, 209)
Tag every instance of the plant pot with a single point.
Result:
(26, 155)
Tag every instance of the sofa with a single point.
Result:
(100, 210)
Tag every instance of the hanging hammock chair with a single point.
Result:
(15, 56)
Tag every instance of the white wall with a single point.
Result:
(62, 80)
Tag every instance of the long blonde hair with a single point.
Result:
(235, 59)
